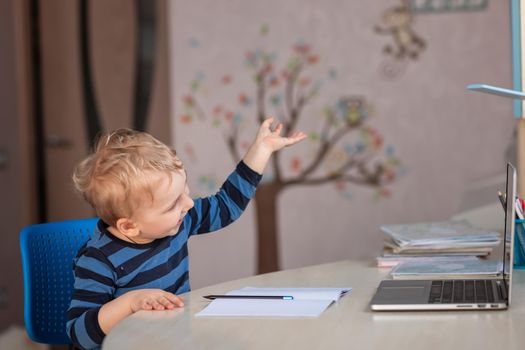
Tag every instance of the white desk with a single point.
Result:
(347, 325)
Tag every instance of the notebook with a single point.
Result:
(457, 294)
(306, 302)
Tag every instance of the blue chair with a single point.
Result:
(47, 263)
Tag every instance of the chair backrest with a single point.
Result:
(48, 251)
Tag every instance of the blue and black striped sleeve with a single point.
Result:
(215, 212)
(94, 286)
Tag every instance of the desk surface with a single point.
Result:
(347, 324)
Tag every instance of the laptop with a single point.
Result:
(456, 294)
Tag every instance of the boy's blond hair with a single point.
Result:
(115, 178)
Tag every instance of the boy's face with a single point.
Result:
(163, 215)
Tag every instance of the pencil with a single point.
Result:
(229, 296)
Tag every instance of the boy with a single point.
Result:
(137, 258)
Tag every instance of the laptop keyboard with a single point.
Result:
(461, 291)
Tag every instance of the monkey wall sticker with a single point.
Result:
(397, 22)
(404, 43)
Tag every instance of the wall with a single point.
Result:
(446, 136)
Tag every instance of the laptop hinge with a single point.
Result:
(502, 288)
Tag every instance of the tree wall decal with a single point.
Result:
(347, 150)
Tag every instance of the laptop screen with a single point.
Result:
(510, 215)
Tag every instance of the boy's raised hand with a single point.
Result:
(266, 142)
(273, 139)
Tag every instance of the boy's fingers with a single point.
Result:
(146, 305)
(296, 137)
(278, 129)
(165, 302)
(156, 305)
(179, 302)
(267, 122)
(175, 300)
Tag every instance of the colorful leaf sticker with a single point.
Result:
(295, 164)
(244, 100)
(227, 79)
(194, 43)
(186, 118)
(264, 29)
(332, 74)
(275, 100)
(313, 136)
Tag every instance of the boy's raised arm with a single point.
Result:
(215, 212)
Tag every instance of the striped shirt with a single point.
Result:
(106, 267)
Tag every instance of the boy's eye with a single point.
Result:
(173, 206)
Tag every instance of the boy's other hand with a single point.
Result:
(273, 140)
(153, 299)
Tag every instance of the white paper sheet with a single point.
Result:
(307, 302)
(265, 308)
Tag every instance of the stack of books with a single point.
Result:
(436, 241)
(465, 268)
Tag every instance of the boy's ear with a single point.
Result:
(127, 227)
